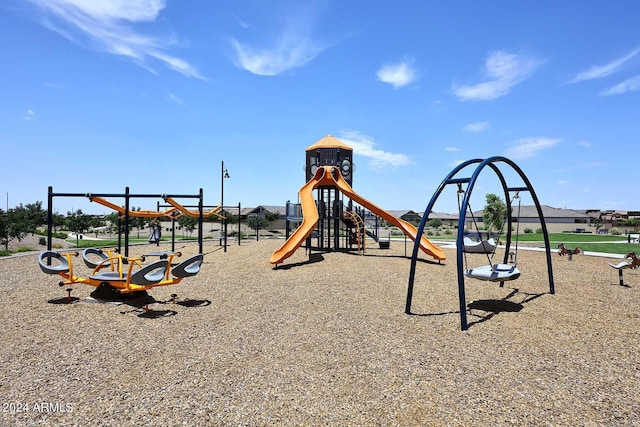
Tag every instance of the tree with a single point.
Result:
(231, 218)
(137, 221)
(255, 222)
(4, 229)
(77, 221)
(14, 224)
(270, 217)
(97, 222)
(435, 222)
(112, 218)
(495, 212)
(597, 222)
(57, 221)
(35, 216)
(188, 223)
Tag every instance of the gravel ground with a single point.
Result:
(324, 341)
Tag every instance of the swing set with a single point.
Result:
(507, 270)
(491, 272)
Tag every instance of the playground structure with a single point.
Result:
(563, 250)
(174, 211)
(329, 171)
(631, 260)
(495, 272)
(115, 275)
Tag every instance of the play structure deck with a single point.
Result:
(330, 176)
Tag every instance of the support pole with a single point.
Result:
(49, 220)
(200, 221)
(126, 222)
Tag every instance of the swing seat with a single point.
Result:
(481, 247)
(494, 273)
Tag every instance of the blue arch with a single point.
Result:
(452, 179)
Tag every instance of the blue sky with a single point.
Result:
(154, 95)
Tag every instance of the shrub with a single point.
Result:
(615, 231)
(42, 241)
(539, 230)
(528, 230)
(447, 231)
(429, 233)
(435, 222)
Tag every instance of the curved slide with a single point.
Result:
(309, 219)
(324, 176)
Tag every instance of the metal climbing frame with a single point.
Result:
(451, 179)
(359, 235)
(127, 196)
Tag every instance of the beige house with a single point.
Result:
(556, 219)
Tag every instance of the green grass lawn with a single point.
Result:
(586, 242)
(572, 237)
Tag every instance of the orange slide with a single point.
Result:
(324, 177)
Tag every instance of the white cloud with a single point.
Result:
(562, 182)
(108, 25)
(293, 47)
(585, 144)
(598, 72)
(364, 145)
(397, 75)
(452, 149)
(28, 114)
(288, 54)
(529, 147)
(504, 71)
(176, 100)
(477, 127)
(629, 85)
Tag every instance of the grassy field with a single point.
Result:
(586, 242)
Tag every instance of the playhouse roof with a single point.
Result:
(329, 142)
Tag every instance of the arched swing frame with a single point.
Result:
(452, 179)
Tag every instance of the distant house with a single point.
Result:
(627, 221)
(556, 219)
(614, 216)
(448, 219)
(408, 215)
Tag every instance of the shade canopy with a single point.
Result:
(329, 142)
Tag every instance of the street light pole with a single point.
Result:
(223, 174)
